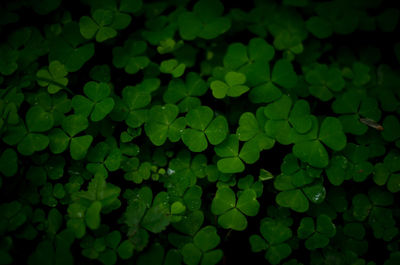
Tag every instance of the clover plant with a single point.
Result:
(199, 132)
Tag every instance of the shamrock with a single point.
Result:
(353, 107)
(162, 122)
(298, 184)
(97, 102)
(205, 21)
(388, 172)
(231, 158)
(274, 233)
(60, 139)
(54, 78)
(203, 247)
(202, 124)
(231, 213)
(185, 94)
(131, 56)
(324, 81)
(232, 87)
(316, 235)
(98, 25)
(309, 148)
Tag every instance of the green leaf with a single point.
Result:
(223, 201)
(217, 130)
(88, 27)
(283, 74)
(125, 249)
(294, 199)
(74, 124)
(130, 6)
(331, 134)
(59, 141)
(92, 216)
(312, 152)
(233, 219)
(319, 27)
(207, 238)
(159, 121)
(39, 120)
(247, 202)
(31, 143)
(79, 146)
(391, 129)
(9, 162)
(191, 254)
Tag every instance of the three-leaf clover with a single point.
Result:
(131, 56)
(172, 67)
(352, 106)
(298, 186)
(231, 213)
(316, 235)
(185, 94)
(202, 249)
(205, 21)
(53, 78)
(232, 87)
(231, 158)
(388, 172)
(324, 81)
(286, 119)
(352, 164)
(163, 123)
(97, 102)
(204, 126)
(309, 148)
(275, 233)
(98, 25)
(87, 206)
(251, 129)
(60, 139)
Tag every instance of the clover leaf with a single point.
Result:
(202, 127)
(131, 56)
(274, 234)
(251, 129)
(324, 81)
(231, 158)
(153, 214)
(231, 213)
(318, 234)
(185, 94)
(86, 207)
(373, 209)
(172, 67)
(205, 21)
(352, 164)
(53, 78)
(97, 102)
(298, 185)
(391, 129)
(98, 25)
(232, 87)
(72, 125)
(311, 150)
(388, 172)
(162, 123)
(203, 247)
(353, 106)
(132, 106)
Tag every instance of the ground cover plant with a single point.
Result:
(199, 132)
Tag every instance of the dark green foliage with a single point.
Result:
(195, 132)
